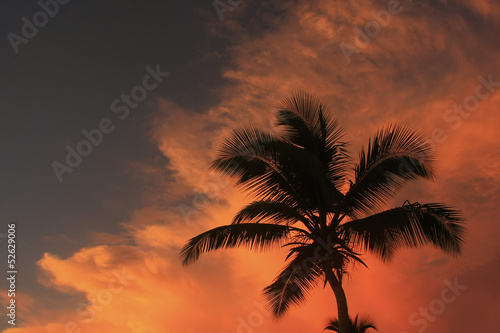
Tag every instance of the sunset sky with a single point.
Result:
(98, 242)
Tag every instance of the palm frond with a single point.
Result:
(308, 123)
(256, 159)
(297, 115)
(276, 170)
(294, 283)
(394, 156)
(272, 212)
(252, 235)
(409, 226)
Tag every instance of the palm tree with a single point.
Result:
(311, 197)
(358, 325)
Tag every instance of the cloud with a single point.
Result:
(427, 58)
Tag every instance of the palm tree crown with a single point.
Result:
(312, 198)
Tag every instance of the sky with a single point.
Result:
(156, 86)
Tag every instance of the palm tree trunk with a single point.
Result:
(343, 312)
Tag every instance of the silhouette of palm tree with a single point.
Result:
(359, 325)
(306, 198)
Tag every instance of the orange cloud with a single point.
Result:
(425, 60)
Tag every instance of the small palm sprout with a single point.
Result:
(358, 325)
